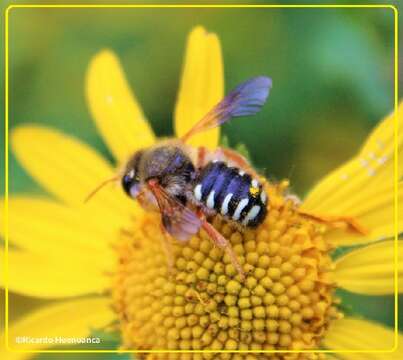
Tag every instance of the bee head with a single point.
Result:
(131, 179)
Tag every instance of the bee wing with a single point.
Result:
(246, 99)
(177, 219)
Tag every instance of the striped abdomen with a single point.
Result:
(232, 193)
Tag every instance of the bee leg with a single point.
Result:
(167, 247)
(351, 223)
(201, 157)
(223, 244)
(236, 159)
(294, 198)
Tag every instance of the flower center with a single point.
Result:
(284, 303)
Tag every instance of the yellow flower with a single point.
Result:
(103, 262)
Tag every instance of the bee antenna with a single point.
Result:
(99, 187)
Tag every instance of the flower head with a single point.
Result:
(106, 263)
(285, 302)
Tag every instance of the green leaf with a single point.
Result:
(224, 142)
(243, 150)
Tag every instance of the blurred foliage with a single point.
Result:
(332, 72)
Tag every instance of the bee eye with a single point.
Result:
(131, 184)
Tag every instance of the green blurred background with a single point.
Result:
(332, 72)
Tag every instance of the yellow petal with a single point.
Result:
(68, 169)
(201, 87)
(50, 229)
(40, 276)
(356, 334)
(69, 319)
(370, 270)
(370, 169)
(376, 214)
(114, 106)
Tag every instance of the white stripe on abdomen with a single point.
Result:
(253, 212)
(224, 206)
(241, 205)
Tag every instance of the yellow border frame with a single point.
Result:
(396, 16)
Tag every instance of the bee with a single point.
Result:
(189, 186)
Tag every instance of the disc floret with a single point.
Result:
(285, 302)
